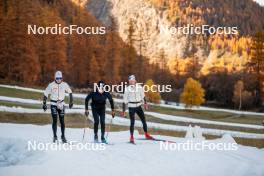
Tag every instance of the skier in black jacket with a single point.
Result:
(98, 108)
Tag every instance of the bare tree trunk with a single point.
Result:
(240, 99)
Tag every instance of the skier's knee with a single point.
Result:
(96, 123)
(61, 118)
(62, 123)
(54, 121)
(132, 123)
(54, 124)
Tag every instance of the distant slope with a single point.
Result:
(247, 15)
(149, 16)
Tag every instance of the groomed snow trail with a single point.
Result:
(119, 159)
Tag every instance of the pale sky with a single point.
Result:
(260, 2)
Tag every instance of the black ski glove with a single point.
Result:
(44, 106)
(86, 113)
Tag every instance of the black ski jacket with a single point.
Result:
(99, 100)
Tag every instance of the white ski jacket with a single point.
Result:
(134, 95)
(57, 91)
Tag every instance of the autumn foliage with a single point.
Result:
(152, 96)
(193, 93)
(84, 59)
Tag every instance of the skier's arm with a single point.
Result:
(44, 106)
(71, 100)
(47, 91)
(142, 94)
(69, 91)
(45, 97)
(125, 101)
(87, 99)
(109, 96)
(124, 107)
(144, 100)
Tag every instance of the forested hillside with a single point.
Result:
(85, 59)
(228, 51)
(149, 17)
(247, 15)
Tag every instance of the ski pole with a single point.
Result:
(84, 127)
(109, 128)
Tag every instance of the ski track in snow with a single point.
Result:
(186, 119)
(202, 108)
(119, 159)
(172, 105)
(154, 114)
(126, 122)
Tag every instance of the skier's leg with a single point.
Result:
(61, 117)
(96, 121)
(132, 120)
(141, 115)
(102, 122)
(54, 113)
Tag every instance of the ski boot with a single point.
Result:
(147, 136)
(55, 139)
(96, 138)
(131, 140)
(63, 139)
(103, 140)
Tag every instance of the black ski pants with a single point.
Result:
(137, 110)
(54, 113)
(99, 116)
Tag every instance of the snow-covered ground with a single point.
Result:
(121, 158)
(126, 122)
(203, 108)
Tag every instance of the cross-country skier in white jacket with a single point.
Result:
(134, 98)
(57, 90)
